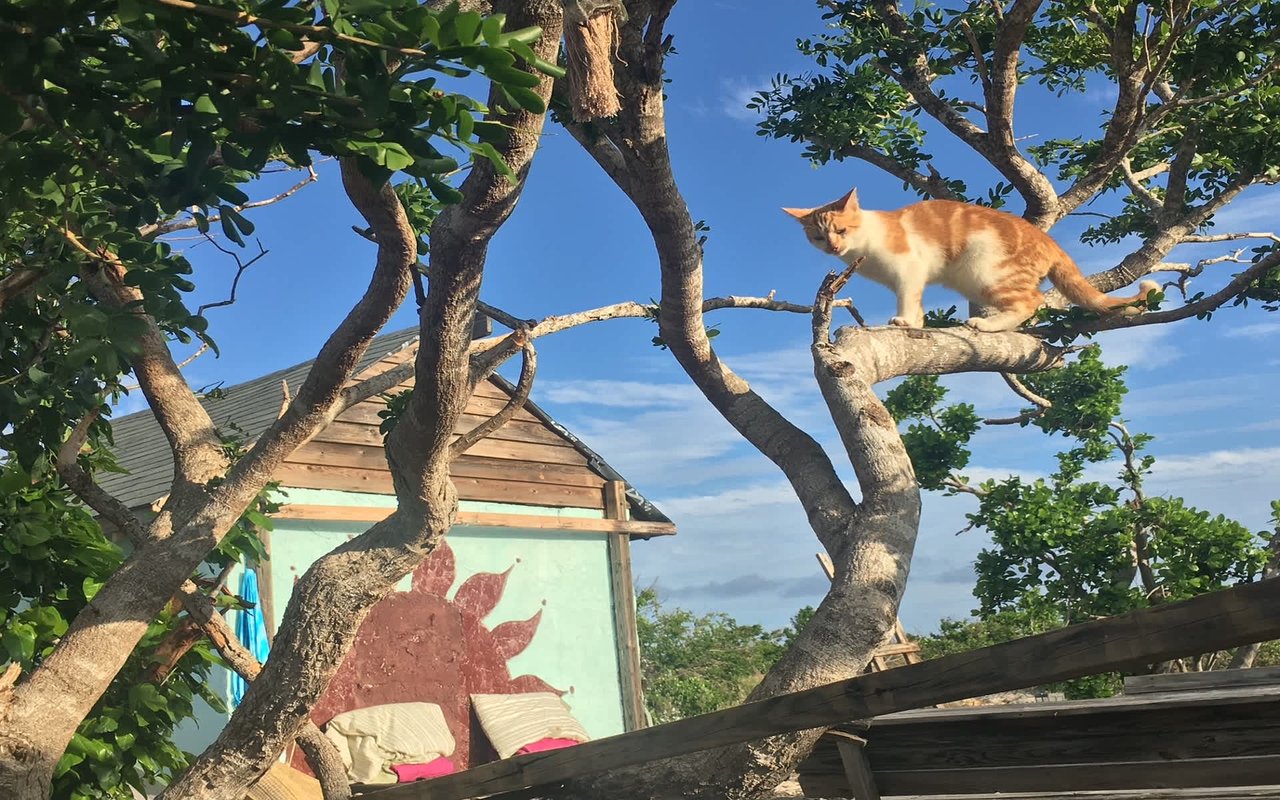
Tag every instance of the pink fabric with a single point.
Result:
(545, 744)
(416, 772)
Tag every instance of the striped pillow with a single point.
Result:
(512, 721)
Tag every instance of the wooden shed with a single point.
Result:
(532, 591)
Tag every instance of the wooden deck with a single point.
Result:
(1184, 740)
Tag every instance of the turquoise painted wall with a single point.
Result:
(564, 574)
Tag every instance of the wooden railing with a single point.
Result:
(1216, 621)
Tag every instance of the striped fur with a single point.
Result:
(995, 259)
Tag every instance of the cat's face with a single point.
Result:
(831, 228)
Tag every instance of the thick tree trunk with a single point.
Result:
(333, 597)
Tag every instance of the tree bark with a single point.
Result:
(335, 594)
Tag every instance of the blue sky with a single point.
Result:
(1205, 390)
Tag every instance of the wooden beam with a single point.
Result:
(624, 611)
(484, 519)
(1215, 621)
(862, 784)
(267, 588)
(1206, 772)
(1197, 681)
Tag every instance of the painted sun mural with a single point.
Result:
(419, 646)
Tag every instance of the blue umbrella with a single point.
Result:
(251, 630)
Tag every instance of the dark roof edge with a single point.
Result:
(641, 507)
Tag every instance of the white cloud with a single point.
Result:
(1219, 466)
(622, 394)
(1254, 210)
(778, 493)
(1255, 331)
(1145, 347)
(736, 93)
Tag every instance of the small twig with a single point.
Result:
(241, 266)
(1145, 195)
(1024, 417)
(161, 229)
(204, 347)
(980, 63)
(825, 298)
(1019, 388)
(518, 398)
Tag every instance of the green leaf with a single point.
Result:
(467, 26)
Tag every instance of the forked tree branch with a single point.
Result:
(513, 405)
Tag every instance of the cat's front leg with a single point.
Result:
(910, 307)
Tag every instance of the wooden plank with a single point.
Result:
(485, 519)
(554, 453)
(367, 433)
(478, 404)
(1223, 697)
(1212, 772)
(1194, 731)
(1214, 621)
(1195, 681)
(266, 588)
(314, 476)
(615, 500)
(329, 454)
(1227, 793)
(862, 784)
(624, 611)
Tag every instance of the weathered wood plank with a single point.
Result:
(1057, 710)
(478, 404)
(1214, 772)
(1213, 621)
(1209, 731)
(367, 433)
(624, 611)
(1228, 793)
(862, 784)
(1195, 681)
(485, 519)
(315, 476)
(329, 454)
(549, 452)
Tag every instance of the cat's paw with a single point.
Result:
(982, 324)
(903, 322)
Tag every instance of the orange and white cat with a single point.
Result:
(993, 258)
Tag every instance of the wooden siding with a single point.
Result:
(524, 462)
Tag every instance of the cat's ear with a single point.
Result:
(798, 213)
(849, 202)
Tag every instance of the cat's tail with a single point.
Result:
(1068, 279)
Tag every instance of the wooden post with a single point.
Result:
(266, 589)
(862, 784)
(624, 610)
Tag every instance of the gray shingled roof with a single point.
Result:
(142, 450)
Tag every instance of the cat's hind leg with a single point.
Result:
(1012, 307)
(910, 307)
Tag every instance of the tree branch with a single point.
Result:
(931, 185)
(16, 283)
(160, 229)
(516, 402)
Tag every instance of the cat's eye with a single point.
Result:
(841, 231)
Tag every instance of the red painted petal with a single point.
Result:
(511, 638)
(479, 594)
(532, 683)
(434, 576)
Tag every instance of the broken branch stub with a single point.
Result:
(590, 42)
